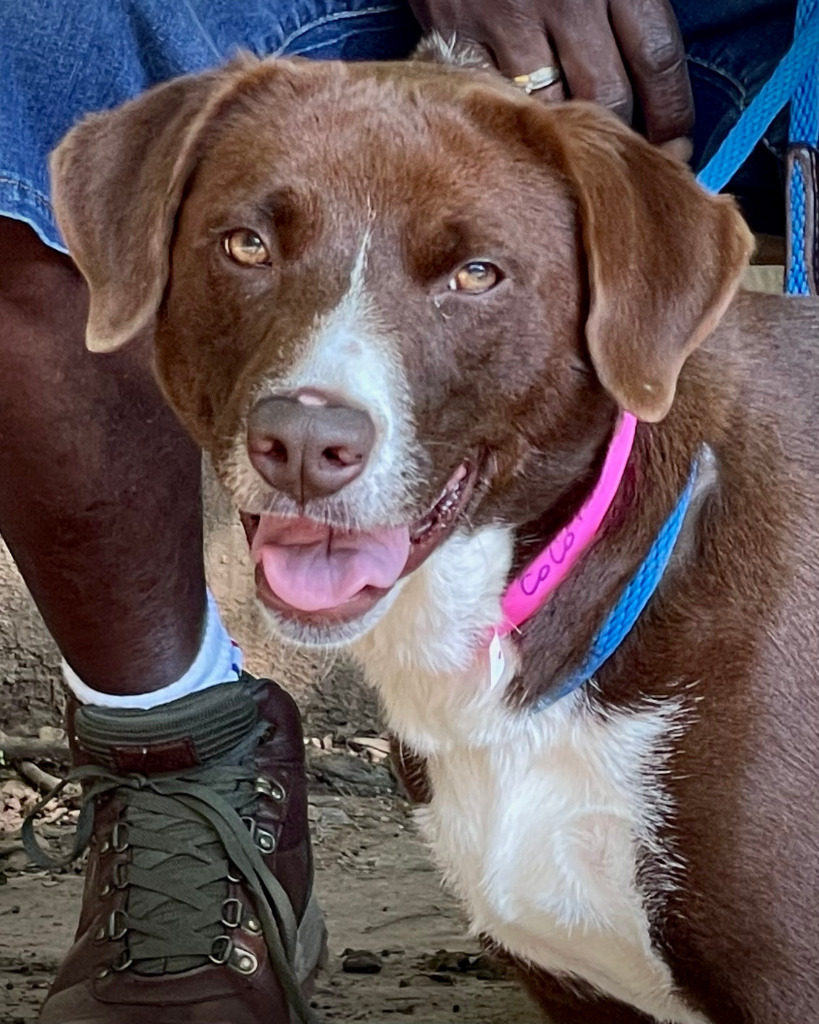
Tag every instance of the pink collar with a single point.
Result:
(526, 594)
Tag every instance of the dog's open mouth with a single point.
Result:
(319, 573)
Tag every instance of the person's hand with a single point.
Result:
(606, 50)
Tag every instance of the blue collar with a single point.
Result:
(632, 601)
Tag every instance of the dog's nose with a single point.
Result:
(306, 446)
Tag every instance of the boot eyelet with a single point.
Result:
(117, 925)
(234, 874)
(119, 837)
(101, 934)
(250, 825)
(265, 841)
(102, 972)
(122, 962)
(106, 891)
(243, 961)
(105, 846)
(270, 787)
(253, 925)
(221, 949)
(232, 910)
(120, 875)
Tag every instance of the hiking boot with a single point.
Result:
(198, 903)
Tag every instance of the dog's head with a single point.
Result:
(393, 302)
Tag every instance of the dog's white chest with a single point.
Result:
(537, 819)
(540, 837)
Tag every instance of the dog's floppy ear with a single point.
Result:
(117, 180)
(664, 257)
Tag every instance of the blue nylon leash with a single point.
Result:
(805, 104)
(794, 69)
(632, 601)
(802, 159)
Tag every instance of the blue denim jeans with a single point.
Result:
(733, 47)
(60, 59)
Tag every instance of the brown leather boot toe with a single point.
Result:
(198, 902)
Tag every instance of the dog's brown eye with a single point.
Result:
(245, 247)
(475, 277)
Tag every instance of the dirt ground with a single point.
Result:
(376, 883)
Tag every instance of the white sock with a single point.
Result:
(219, 661)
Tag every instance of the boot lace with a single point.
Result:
(188, 835)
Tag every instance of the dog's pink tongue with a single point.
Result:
(313, 567)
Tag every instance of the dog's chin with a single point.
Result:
(320, 629)
(361, 609)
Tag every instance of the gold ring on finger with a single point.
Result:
(540, 78)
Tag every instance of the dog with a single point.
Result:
(478, 374)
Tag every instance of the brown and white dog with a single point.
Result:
(403, 308)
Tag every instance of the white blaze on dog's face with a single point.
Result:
(364, 252)
(394, 309)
